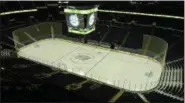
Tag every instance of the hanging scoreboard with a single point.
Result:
(81, 20)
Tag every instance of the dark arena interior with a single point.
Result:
(117, 26)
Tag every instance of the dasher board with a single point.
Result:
(132, 72)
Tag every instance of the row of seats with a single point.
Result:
(171, 82)
(6, 53)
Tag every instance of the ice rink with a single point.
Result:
(116, 68)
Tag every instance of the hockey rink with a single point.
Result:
(115, 68)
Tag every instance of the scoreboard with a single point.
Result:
(81, 20)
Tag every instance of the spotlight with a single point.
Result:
(11, 21)
(154, 23)
(2, 68)
(32, 17)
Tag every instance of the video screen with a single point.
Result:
(75, 21)
(91, 20)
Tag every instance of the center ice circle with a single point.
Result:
(82, 58)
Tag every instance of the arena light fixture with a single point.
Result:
(143, 14)
(18, 11)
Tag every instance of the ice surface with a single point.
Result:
(119, 69)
